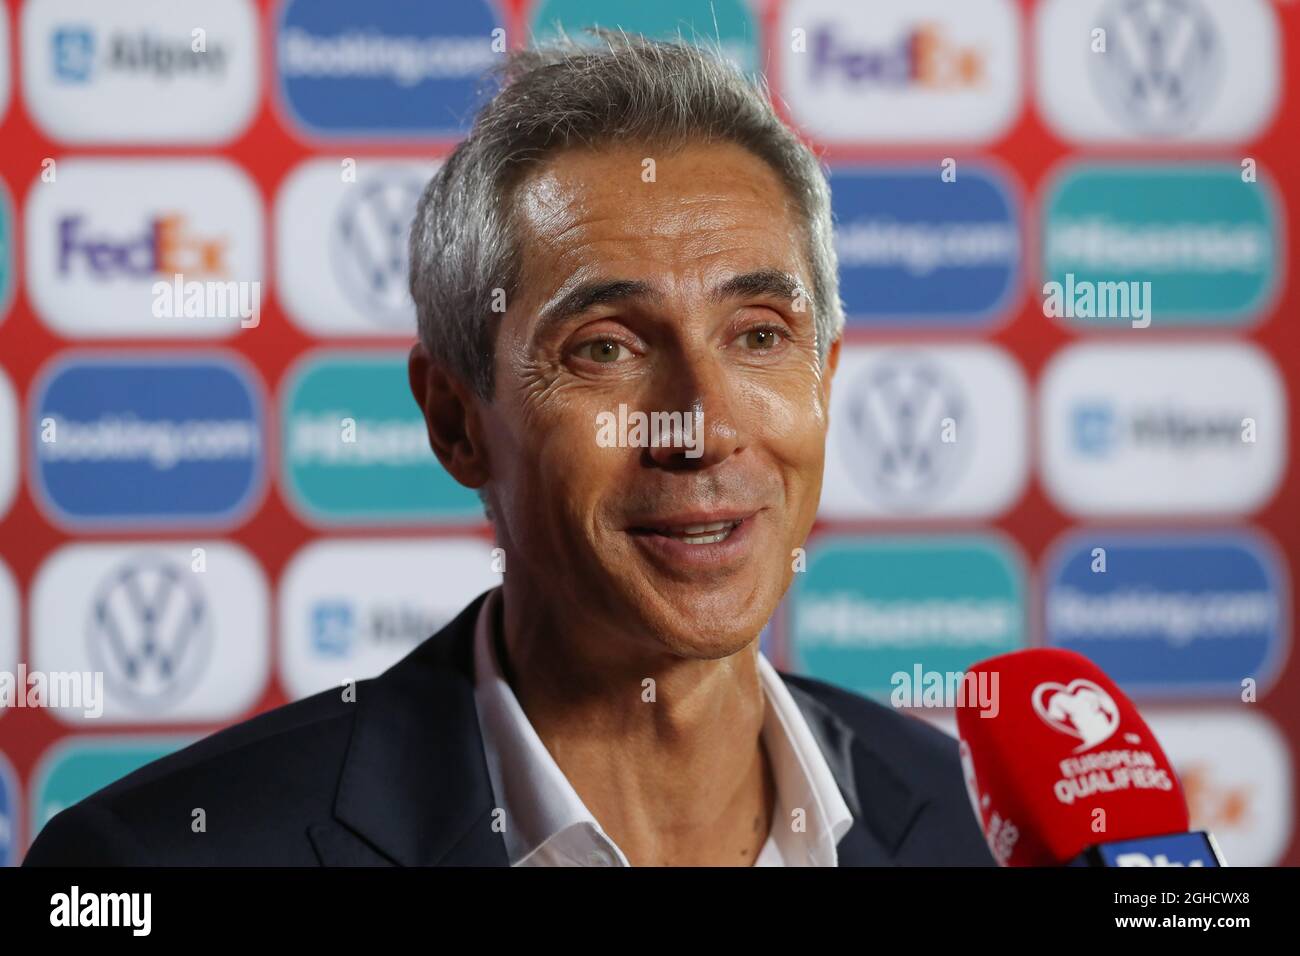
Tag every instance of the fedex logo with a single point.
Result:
(877, 71)
(165, 247)
(924, 56)
(130, 248)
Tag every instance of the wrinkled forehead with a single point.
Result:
(682, 219)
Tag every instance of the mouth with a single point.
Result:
(699, 533)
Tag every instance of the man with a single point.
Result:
(628, 234)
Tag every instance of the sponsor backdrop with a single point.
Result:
(1062, 416)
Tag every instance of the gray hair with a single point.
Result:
(462, 246)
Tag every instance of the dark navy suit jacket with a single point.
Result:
(398, 777)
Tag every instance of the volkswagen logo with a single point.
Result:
(150, 631)
(902, 418)
(368, 244)
(1161, 66)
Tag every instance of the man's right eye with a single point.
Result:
(606, 351)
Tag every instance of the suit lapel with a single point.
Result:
(415, 789)
(883, 805)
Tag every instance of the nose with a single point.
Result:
(696, 393)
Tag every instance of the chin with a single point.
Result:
(708, 623)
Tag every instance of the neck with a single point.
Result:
(666, 752)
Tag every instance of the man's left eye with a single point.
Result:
(760, 339)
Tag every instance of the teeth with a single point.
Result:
(705, 528)
(701, 533)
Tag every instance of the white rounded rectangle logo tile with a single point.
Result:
(8, 629)
(1236, 770)
(8, 444)
(107, 239)
(4, 61)
(1162, 429)
(178, 631)
(351, 608)
(886, 72)
(341, 229)
(921, 431)
(141, 71)
(1157, 70)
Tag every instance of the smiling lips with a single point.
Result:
(710, 533)
(692, 531)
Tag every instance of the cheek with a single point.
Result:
(554, 462)
(789, 419)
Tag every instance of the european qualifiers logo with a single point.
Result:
(1086, 712)
(1082, 710)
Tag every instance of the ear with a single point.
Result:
(832, 363)
(452, 417)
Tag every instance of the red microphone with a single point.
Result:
(1062, 770)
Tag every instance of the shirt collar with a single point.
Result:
(546, 822)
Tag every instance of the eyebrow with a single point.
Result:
(773, 283)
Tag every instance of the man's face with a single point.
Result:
(683, 294)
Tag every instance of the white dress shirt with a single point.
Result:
(546, 822)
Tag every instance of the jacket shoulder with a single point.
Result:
(258, 784)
